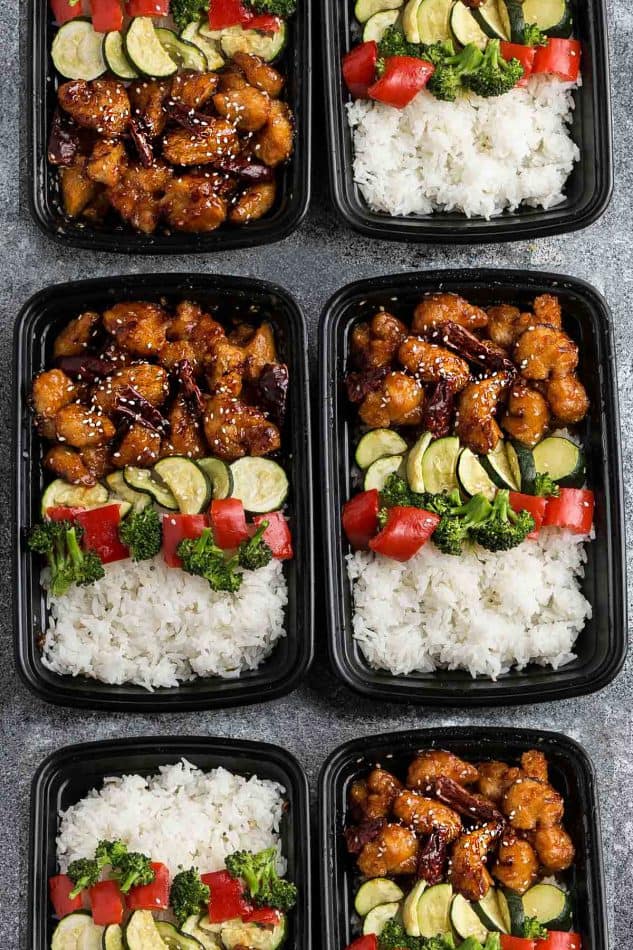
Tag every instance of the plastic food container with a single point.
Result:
(70, 773)
(571, 773)
(36, 327)
(601, 647)
(293, 180)
(588, 189)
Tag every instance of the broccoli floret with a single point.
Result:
(281, 8)
(259, 873)
(110, 852)
(255, 552)
(203, 557)
(141, 532)
(83, 873)
(532, 36)
(396, 493)
(184, 11)
(544, 485)
(394, 937)
(446, 81)
(395, 43)
(441, 942)
(133, 869)
(495, 75)
(455, 525)
(443, 502)
(493, 941)
(437, 53)
(59, 542)
(505, 528)
(532, 928)
(188, 894)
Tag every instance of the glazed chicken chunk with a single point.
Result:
(442, 308)
(399, 400)
(376, 343)
(428, 766)
(140, 328)
(102, 105)
(394, 851)
(476, 424)
(373, 796)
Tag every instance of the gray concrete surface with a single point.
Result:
(312, 264)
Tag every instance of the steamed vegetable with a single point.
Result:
(204, 558)
(259, 873)
(59, 541)
(188, 894)
(141, 532)
(504, 528)
(495, 76)
(446, 81)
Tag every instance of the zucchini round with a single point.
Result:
(121, 490)
(410, 21)
(268, 46)
(434, 21)
(511, 13)
(210, 48)
(410, 909)
(62, 494)
(473, 478)
(465, 921)
(489, 912)
(69, 929)
(234, 934)
(377, 444)
(377, 917)
(553, 17)
(497, 466)
(550, 905)
(141, 932)
(379, 890)
(487, 16)
(562, 460)
(91, 938)
(259, 483)
(521, 462)
(378, 24)
(414, 466)
(77, 51)
(186, 481)
(114, 55)
(219, 474)
(439, 465)
(174, 939)
(112, 938)
(465, 28)
(380, 470)
(434, 909)
(141, 480)
(186, 54)
(365, 9)
(145, 50)
(191, 926)
(511, 907)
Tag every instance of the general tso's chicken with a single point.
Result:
(77, 188)
(376, 343)
(467, 871)
(191, 204)
(80, 426)
(137, 197)
(147, 100)
(568, 399)
(175, 351)
(107, 162)
(394, 851)
(372, 797)
(495, 778)
(260, 74)
(555, 848)
(52, 390)
(273, 144)
(253, 203)
(527, 414)
(517, 866)
(430, 363)
(97, 459)
(192, 323)
(185, 437)
(430, 765)
(530, 803)
(217, 139)
(77, 335)
(102, 104)
(259, 349)
(442, 308)
(234, 429)
(97, 210)
(225, 368)
(247, 109)
(506, 324)
(534, 765)
(544, 353)
(476, 425)
(398, 401)
(232, 79)
(193, 89)
(148, 380)
(67, 463)
(426, 815)
(138, 327)
(139, 446)
(547, 311)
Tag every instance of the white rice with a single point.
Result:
(152, 625)
(478, 156)
(182, 816)
(481, 612)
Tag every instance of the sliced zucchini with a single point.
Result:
(191, 926)
(91, 938)
(366, 9)
(489, 912)
(186, 481)
(141, 932)
(504, 911)
(205, 924)
(210, 48)
(380, 470)
(62, 494)
(142, 480)
(511, 907)
(114, 55)
(562, 460)
(498, 468)
(174, 938)
(145, 50)
(235, 933)
(410, 21)
(511, 13)
(122, 491)
(379, 890)
(219, 474)
(260, 484)
(439, 465)
(77, 51)
(473, 478)
(414, 467)
(434, 909)
(553, 17)
(377, 444)
(268, 46)
(487, 16)
(378, 24)
(70, 928)
(434, 21)
(187, 55)
(550, 905)
(374, 922)
(112, 938)
(521, 462)
(465, 921)
(465, 27)
(410, 909)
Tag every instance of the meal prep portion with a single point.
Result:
(182, 859)
(462, 105)
(464, 855)
(173, 116)
(163, 530)
(462, 445)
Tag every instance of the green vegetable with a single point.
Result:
(457, 523)
(188, 894)
(544, 485)
(59, 542)
(446, 81)
(133, 869)
(395, 43)
(255, 552)
(83, 873)
(532, 36)
(259, 873)
(204, 558)
(532, 928)
(495, 75)
(396, 493)
(184, 11)
(394, 937)
(282, 8)
(504, 528)
(110, 852)
(142, 533)
(493, 941)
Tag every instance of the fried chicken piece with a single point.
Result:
(273, 144)
(97, 210)
(52, 390)
(77, 335)
(476, 426)
(547, 311)
(495, 778)
(234, 429)
(534, 765)
(506, 324)
(185, 437)
(530, 803)
(192, 204)
(253, 203)
(442, 308)
(147, 379)
(197, 328)
(79, 426)
(517, 866)
(137, 197)
(216, 140)
(394, 851)
(434, 763)
(231, 80)
(97, 459)
(78, 190)
(430, 363)
(376, 343)
(555, 849)
(258, 347)
(260, 74)
(467, 868)
(139, 327)
(544, 353)
(102, 104)
(107, 163)
(426, 815)
(226, 366)
(247, 109)
(527, 414)
(372, 797)
(139, 446)
(398, 401)
(568, 399)
(147, 99)
(67, 463)
(175, 352)
(193, 89)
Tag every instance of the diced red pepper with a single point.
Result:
(227, 899)
(148, 7)
(101, 532)
(107, 15)
(560, 940)
(572, 508)
(264, 22)
(360, 518)
(368, 942)
(228, 522)
(535, 504)
(64, 10)
(277, 535)
(406, 530)
(524, 54)
(516, 943)
(402, 80)
(154, 896)
(175, 529)
(559, 58)
(359, 68)
(266, 916)
(59, 888)
(107, 903)
(226, 13)
(62, 513)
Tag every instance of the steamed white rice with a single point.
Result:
(181, 816)
(478, 156)
(152, 625)
(482, 612)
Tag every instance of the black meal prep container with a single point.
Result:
(40, 319)
(293, 192)
(601, 647)
(571, 773)
(588, 188)
(69, 774)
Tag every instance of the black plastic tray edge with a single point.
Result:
(495, 692)
(357, 216)
(144, 701)
(478, 735)
(127, 242)
(171, 744)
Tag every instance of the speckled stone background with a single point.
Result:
(312, 264)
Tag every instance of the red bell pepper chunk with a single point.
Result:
(359, 68)
(64, 10)
(148, 7)
(175, 529)
(107, 15)
(524, 54)
(266, 916)
(560, 58)
(560, 940)
(360, 518)
(572, 508)
(107, 903)
(536, 505)
(368, 942)
(228, 522)
(406, 530)
(226, 13)
(59, 888)
(264, 22)
(227, 899)
(62, 513)
(277, 535)
(101, 532)
(154, 896)
(402, 80)
(516, 943)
